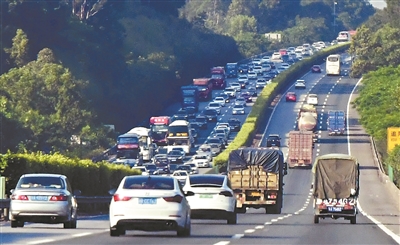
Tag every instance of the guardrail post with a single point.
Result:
(390, 173)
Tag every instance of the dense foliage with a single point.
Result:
(79, 65)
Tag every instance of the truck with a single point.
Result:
(205, 86)
(190, 96)
(159, 129)
(256, 177)
(128, 150)
(180, 135)
(218, 77)
(146, 145)
(335, 187)
(307, 119)
(300, 149)
(336, 122)
(231, 69)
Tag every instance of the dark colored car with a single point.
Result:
(247, 96)
(211, 114)
(273, 73)
(252, 91)
(175, 156)
(244, 68)
(216, 141)
(201, 121)
(316, 69)
(234, 124)
(268, 77)
(274, 140)
(226, 97)
(179, 117)
(190, 111)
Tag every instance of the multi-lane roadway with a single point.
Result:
(375, 224)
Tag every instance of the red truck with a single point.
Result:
(218, 77)
(159, 129)
(205, 87)
(300, 149)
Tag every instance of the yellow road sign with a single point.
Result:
(393, 138)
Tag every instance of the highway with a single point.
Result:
(295, 224)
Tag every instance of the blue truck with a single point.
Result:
(231, 69)
(190, 96)
(336, 122)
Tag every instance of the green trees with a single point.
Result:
(19, 50)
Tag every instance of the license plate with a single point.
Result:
(205, 196)
(148, 201)
(335, 209)
(39, 198)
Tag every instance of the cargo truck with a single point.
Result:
(190, 96)
(256, 177)
(205, 86)
(300, 149)
(336, 122)
(218, 77)
(307, 119)
(335, 187)
(232, 69)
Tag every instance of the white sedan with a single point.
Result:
(300, 84)
(212, 199)
(203, 160)
(220, 100)
(215, 106)
(252, 75)
(150, 203)
(312, 99)
(180, 175)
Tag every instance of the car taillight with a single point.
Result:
(19, 197)
(176, 198)
(226, 193)
(118, 198)
(272, 195)
(58, 198)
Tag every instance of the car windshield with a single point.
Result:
(210, 112)
(229, 89)
(214, 105)
(206, 180)
(151, 167)
(148, 183)
(174, 153)
(237, 107)
(240, 99)
(200, 157)
(235, 84)
(219, 98)
(40, 182)
(213, 141)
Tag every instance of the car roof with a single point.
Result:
(44, 175)
(273, 135)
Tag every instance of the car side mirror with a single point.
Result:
(11, 191)
(77, 192)
(112, 191)
(189, 193)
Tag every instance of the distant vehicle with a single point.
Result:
(300, 149)
(282, 51)
(236, 86)
(343, 37)
(201, 121)
(336, 122)
(247, 96)
(215, 106)
(243, 68)
(333, 65)
(213, 198)
(274, 140)
(260, 84)
(205, 87)
(159, 129)
(211, 141)
(221, 100)
(128, 150)
(243, 79)
(146, 145)
(258, 69)
(218, 77)
(186, 168)
(226, 97)
(285, 65)
(181, 175)
(141, 169)
(194, 167)
(202, 160)
(252, 91)
(189, 112)
(231, 69)
(338, 200)
(190, 96)
(179, 135)
(291, 96)
(312, 99)
(43, 198)
(240, 101)
(252, 75)
(231, 92)
(300, 84)
(316, 69)
(238, 109)
(234, 124)
(130, 209)
(211, 114)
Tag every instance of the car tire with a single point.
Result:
(353, 220)
(117, 231)
(316, 219)
(232, 218)
(14, 224)
(184, 231)
(241, 210)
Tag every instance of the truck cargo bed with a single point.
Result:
(253, 178)
(300, 149)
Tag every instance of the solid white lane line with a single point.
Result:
(41, 241)
(82, 234)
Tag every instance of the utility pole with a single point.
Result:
(334, 17)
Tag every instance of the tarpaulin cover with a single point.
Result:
(335, 175)
(270, 159)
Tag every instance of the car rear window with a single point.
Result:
(206, 180)
(40, 182)
(149, 183)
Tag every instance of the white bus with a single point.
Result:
(179, 135)
(333, 64)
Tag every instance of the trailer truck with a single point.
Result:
(256, 177)
(205, 86)
(336, 122)
(190, 96)
(307, 119)
(218, 77)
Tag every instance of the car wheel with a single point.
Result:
(185, 231)
(21, 223)
(316, 219)
(117, 231)
(232, 218)
(353, 220)
(241, 210)
(14, 224)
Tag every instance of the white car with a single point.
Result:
(142, 169)
(238, 109)
(266, 67)
(312, 99)
(220, 100)
(203, 160)
(258, 70)
(154, 203)
(181, 175)
(193, 166)
(236, 86)
(285, 65)
(242, 79)
(231, 92)
(260, 83)
(212, 199)
(300, 84)
(252, 75)
(215, 106)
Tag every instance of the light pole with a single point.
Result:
(334, 17)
